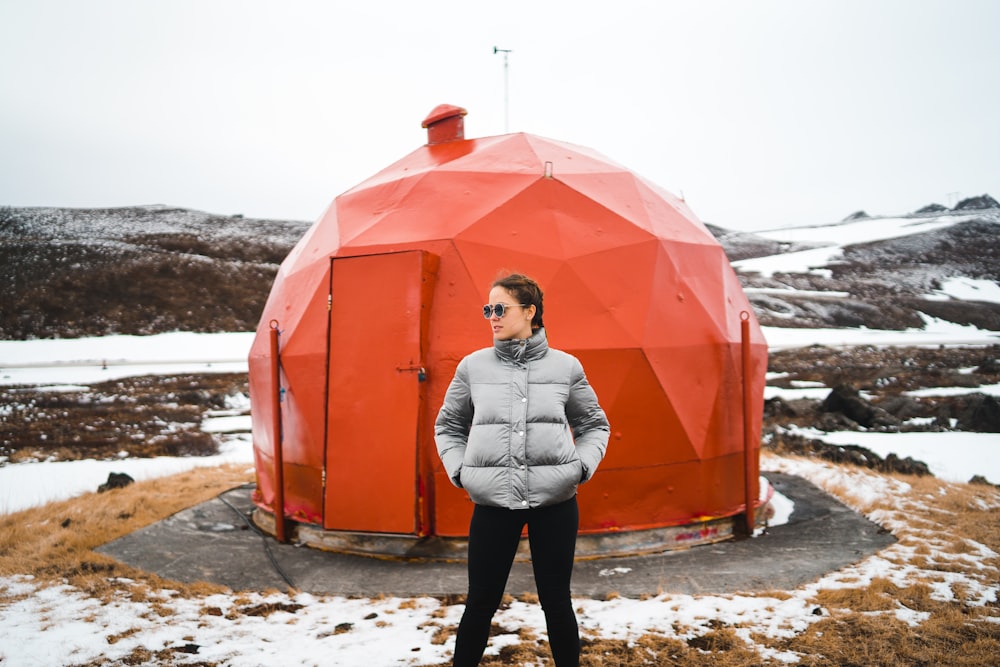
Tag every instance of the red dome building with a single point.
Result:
(372, 310)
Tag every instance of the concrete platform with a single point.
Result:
(214, 542)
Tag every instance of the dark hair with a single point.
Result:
(526, 291)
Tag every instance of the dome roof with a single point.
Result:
(635, 285)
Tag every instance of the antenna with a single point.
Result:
(506, 102)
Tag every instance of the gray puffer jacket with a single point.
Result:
(520, 425)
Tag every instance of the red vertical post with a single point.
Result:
(750, 485)
(279, 458)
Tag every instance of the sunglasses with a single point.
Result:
(499, 309)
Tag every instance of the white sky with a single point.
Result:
(760, 113)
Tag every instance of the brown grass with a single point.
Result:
(947, 528)
(949, 637)
(55, 543)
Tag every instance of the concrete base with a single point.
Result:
(604, 545)
(214, 542)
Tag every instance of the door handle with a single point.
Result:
(419, 370)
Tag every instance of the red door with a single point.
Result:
(377, 318)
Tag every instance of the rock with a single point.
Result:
(846, 400)
(989, 366)
(979, 479)
(932, 208)
(854, 454)
(907, 466)
(834, 421)
(979, 413)
(902, 407)
(778, 407)
(782, 441)
(116, 480)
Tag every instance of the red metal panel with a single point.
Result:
(675, 494)
(374, 393)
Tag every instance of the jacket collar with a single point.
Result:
(523, 350)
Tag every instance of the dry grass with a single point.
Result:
(948, 637)
(55, 543)
(930, 619)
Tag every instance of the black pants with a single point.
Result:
(493, 539)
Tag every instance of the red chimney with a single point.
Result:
(445, 123)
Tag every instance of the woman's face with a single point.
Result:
(516, 320)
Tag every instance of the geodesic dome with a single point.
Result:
(378, 302)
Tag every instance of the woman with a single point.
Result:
(520, 428)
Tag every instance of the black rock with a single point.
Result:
(778, 407)
(846, 400)
(979, 413)
(907, 466)
(902, 407)
(116, 480)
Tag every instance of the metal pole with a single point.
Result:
(506, 89)
(279, 457)
(750, 490)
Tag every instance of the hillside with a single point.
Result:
(144, 270)
(874, 272)
(138, 270)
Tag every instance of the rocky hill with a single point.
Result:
(150, 269)
(137, 270)
(879, 284)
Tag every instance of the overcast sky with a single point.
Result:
(760, 113)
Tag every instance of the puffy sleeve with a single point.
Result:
(591, 429)
(454, 420)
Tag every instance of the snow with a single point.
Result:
(390, 626)
(811, 393)
(26, 485)
(828, 242)
(967, 289)
(990, 389)
(812, 261)
(863, 230)
(935, 332)
(952, 456)
(307, 629)
(788, 291)
(91, 360)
